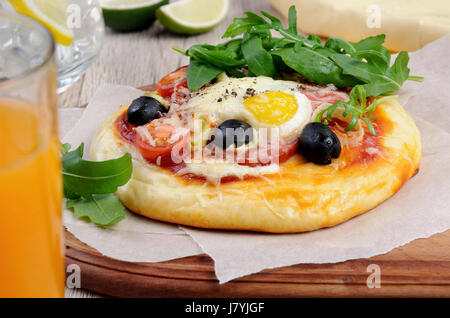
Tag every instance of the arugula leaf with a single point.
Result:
(68, 159)
(292, 20)
(216, 56)
(380, 58)
(200, 74)
(102, 209)
(241, 25)
(400, 70)
(370, 49)
(232, 45)
(258, 59)
(65, 149)
(84, 178)
(276, 23)
(370, 42)
(315, 65)
(89, 185)
(376, 83)
(256, 24)
(289, 34)
(356, 107)
(314, 38)
(340, 45)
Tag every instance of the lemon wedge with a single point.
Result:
(193, 16)
(53, 14)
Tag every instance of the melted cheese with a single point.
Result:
(215, 170)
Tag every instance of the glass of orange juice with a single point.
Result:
(31, 250)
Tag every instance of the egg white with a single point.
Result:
(225, 100)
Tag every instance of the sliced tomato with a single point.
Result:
(162, 151)
(172, 82)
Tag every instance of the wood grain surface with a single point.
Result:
(420, 268)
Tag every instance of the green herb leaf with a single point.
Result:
(292, 20)
(415, 78)
(216, 56)
(315, 65)
(340, 45)
(102, 209)
(370, 49)
(258, 59)
(65, 149)
(85, 178)
(241, 25)
(400, 70)
(354, 109)
(276, 23)
(232, 45)
(338, 62)
(370, 42)
(314, 39)
(378, 83)
(68, 159)
(200, 74)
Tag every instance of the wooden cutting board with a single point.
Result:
(418, 269)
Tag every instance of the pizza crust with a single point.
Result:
(301, 197)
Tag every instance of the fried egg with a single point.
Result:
(260, 101)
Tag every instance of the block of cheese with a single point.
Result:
(408, 24)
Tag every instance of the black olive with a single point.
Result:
(318, 143)
(144, 109)
(232, 131)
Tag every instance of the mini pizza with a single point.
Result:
(258, 153)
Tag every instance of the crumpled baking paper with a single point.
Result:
(418, 210)
(135, 238)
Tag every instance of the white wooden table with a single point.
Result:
(141, 58)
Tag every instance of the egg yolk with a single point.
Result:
(272, 107)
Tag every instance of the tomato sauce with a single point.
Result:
(367, 149)
(125, 129)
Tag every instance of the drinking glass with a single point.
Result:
(84, 19)
(31, 250)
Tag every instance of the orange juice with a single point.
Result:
(31, 254)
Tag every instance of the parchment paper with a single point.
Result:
(418, 210)
(134, 238)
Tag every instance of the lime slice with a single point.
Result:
(52, 14)
(130, 15)
(193, 16)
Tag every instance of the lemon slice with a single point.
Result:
(130, 15)
(193, 16)
(53, 14)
